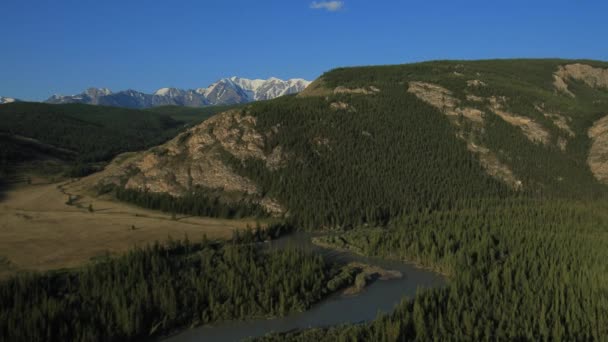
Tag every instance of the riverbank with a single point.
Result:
(340, 243)
(367, 275)
(390, 282)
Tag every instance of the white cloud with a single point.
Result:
(331, 6)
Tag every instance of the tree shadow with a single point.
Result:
(4, 188)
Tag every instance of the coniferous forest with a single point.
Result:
(200, 203)
(156, 289)
(83, 135)
(518, 270)
(382, 174)
(522, 265)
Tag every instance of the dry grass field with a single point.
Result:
(39, 231)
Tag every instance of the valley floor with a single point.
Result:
(40, 231)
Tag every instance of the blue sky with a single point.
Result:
(64, 46)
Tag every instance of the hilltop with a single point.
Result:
(366, 144)
(79, 136)
(492, 173)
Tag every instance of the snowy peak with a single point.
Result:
(4, 100)
(271, 88)
(225, 91)
(169, 92)
(89, 96)
(96, 92)
(233, 90)
(240, 90)
(247, 84)
(163, 91)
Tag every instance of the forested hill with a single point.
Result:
(363, 145)
(95, 133)
(83, 134)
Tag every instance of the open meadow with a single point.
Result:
(40, 231)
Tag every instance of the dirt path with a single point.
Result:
(39, 231)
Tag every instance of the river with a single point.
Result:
(380, 296)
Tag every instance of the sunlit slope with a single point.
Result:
(367, 144)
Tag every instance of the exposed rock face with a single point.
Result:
(363, 91)
(475, 83)
(591, 76)
(494, 167)
(194, 159)
(562, 122)
(534, 131)
(443, 99)
(598, 154)
(474, 98)
(339, 105)
(560, 85)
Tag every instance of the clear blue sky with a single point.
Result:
(65, 46)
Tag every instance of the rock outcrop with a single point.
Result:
(534, 131)
(197, 158)
(444, 100)
(591, 76)
(598, 154)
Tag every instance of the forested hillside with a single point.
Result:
(154, 290)
(525, 263)
(363, 145)
(190, 115)
(519, 270)
(79, 135)
(376, 146)
(492, 172)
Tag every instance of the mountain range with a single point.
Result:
(493, 173)
(4, 100)
(531, 126)
(227, 91)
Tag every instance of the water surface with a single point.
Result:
(380, 296)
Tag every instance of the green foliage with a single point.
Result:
(341, 280)
(393, 154)
(519, 270)
(523, 265)
(95, 133)
(153, 290)
(81, 138)
(390, 153)
(199, 202)
(527, 265)
(191, 115)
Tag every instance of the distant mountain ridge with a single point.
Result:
(4, 100)
(227, 91)
(383, 137)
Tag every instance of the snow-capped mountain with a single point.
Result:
(4, 100)
(271, 88)
(89, 96)
(227, 89)
(231, 90)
